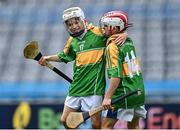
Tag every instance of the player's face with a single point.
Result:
(109, 30)
(75, 25)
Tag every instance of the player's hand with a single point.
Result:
(106, 103)
(43, 60)
(120, 38)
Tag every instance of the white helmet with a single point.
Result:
(74, 12)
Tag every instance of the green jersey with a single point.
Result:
(121, 62)
(89, 65)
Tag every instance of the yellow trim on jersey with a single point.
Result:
(110, 40)
(112, 55)
(89, 57)
(68, 43)
(94, 29)
(108, 64)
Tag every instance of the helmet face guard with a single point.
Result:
(78, 14)
(112, 22)
(79, 25)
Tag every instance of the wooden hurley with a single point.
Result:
(74, 119)
(32, 51)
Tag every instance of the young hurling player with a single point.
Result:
(125, 75)
(85, 46)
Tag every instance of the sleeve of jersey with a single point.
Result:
(65, 58)
(67, 55)
(113, 61)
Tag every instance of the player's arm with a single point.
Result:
(114, 82)
(43, 59)
(120, 38)
(114, 69)
(66, 55)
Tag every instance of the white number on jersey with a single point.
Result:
(81, 47)
(132, 64)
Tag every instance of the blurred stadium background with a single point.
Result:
(156, 34)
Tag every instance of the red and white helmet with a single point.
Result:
(115, 19)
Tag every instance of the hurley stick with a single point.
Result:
(74, 119)
(32, 51)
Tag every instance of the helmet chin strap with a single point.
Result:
(77, 34)
(83, 34)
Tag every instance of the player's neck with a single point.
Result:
(82, 35)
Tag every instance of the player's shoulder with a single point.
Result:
(96, 30)
(128, 39)
(69, 39)
(110, 40)
(67, 45)
(128, 42)
(111, 44)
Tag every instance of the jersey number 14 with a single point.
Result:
(133, 66)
